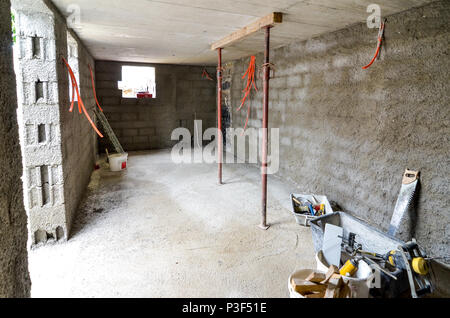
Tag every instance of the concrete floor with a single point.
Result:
(165, 230)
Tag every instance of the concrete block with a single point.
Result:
(129, 116)
(140, 139)
(126, 140)
(107, 77)
(128, 101)
(130, 132)
(113, 101)
(36, 24)
(107, 84)
(114, 117)
(109, 92)
(147, 131)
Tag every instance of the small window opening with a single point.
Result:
(72, 54)
(138, 82)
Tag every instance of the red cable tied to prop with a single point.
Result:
(76, 90)
(380, 41)
(206, 75)
(250, 73)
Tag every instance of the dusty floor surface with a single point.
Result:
(165, 230)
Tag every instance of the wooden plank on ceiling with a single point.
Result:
(269, 20)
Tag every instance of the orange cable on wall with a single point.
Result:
(93, 88)
(380, 42)
(80, 101)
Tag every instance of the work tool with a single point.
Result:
(349, 268)
(377, 266)
(411, 258)
(402, 219)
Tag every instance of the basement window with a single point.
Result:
(138, 82)
(72, 54)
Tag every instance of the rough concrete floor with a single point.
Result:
(166, 230)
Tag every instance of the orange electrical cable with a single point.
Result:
(73, 96)
(250, 73)
(380, 41)
(93, 88)
(80, 101)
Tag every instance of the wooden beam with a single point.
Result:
(269, 20)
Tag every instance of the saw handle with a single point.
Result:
(410, 176)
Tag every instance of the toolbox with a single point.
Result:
(304, 217)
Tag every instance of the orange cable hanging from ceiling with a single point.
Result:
(250, 73)
(80, 101)
(380, 41)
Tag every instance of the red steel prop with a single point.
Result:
(219, 114)
(265, 135)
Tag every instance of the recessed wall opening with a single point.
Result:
(39, 90)
(41, 133)
(36, 45)
(138, 82)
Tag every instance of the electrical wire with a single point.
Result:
(81, 106)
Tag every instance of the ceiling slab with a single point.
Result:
(181, 32)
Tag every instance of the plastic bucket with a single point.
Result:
(118, 162)
(358, 286)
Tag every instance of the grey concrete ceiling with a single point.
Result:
(181, 31)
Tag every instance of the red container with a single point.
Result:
(144, 95)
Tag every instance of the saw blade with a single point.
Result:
(403, 207)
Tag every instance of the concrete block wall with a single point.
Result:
(182, 96)
(58, 147)
(14, 276)
(40, 120)
(79, 146)
(350, 133)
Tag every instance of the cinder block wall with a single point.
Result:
(79, 146)
(14, 277)
(182, 95)
(350, 133)
(58, 147)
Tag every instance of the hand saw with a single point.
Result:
(402, 219)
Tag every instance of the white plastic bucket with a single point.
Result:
(118, 162)
(301, 274)
(358, 285)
